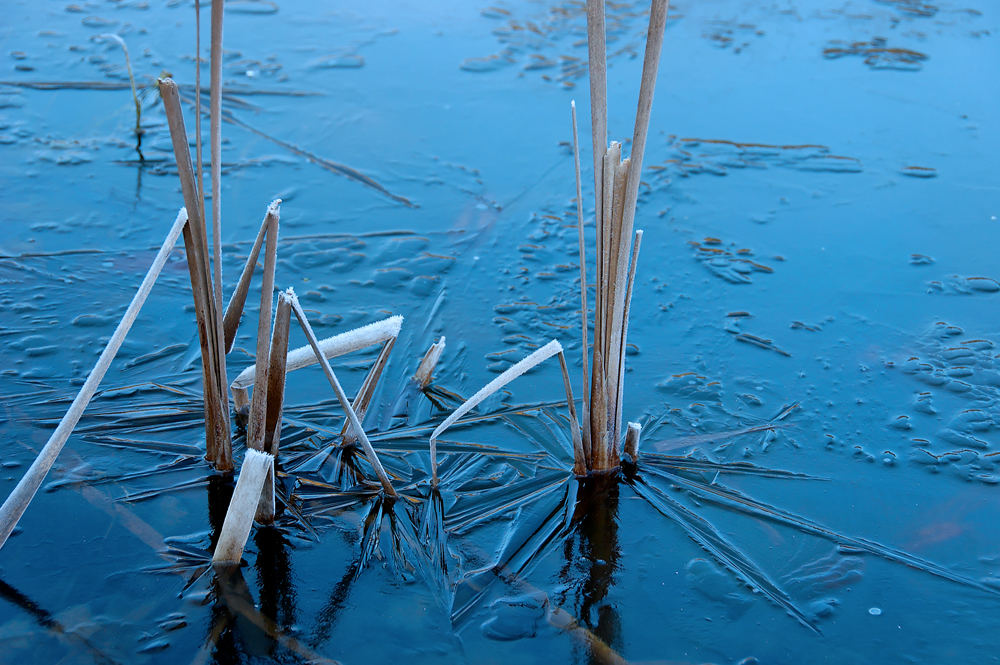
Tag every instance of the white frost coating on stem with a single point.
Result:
(425, 371)
(632, 435)
(511, 373)
(18, 501)
(359, 431)
(239, 518)
(338, 345)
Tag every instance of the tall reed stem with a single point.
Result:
(218, 443)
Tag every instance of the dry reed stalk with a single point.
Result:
(258, 404)
(257, 466)
(584, 310)
(626, 311)
(367, 390)
(632, 435)
(15, 504)
(275, 402)
(344, 403)
(517, 369)
(650, 66)
(234, 310)
(276, 374)
(597, 58)
(218, 443)
(337, 345)
(197, 108)
(425, 370)
(215, 130)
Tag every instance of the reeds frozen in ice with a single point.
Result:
(616, 189)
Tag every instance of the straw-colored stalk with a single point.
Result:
(218, 444)
(15, 504)
(425, 370)
(215, 129)
(364, 397)
(131, 81)
(275, 402)
(514, 371)
(234, 310)
(277, 362)
(257, 467)
(352, 417)
(584, 312)
(616, 184)
(332, 347)
(258, 406)
(632, 435)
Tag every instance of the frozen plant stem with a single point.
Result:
(352, 417)
(19, 499)
(616, 184)
(425, 370)
(215, 129)
(217, 437)
(234, 310)
(258, 405)
(256, 469)
(517, 369)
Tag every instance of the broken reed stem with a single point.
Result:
(276, 373)
(258, 405)
(344, 403)
(364, 397)
(425, 370)
(15, 504)
(517, 369)
(626, 311)
(579, 461)
(234, 310)
(218, 444)
(257, 466)
(131, 80)
(584, 311)
(337, 345)
(632, 435)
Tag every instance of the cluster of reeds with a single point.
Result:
(616, 189)
(254, 497)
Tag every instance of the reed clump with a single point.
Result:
(596, 444)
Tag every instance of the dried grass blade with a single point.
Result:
(217, 439)
(234, 310)
(425, 370)
(335, 384)
(364, 397)
(258, 402)
(257, 466)
(337, 345)
(517, 369)
(15, 504)
(584, 310)
(626, 311)
(650, 66)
